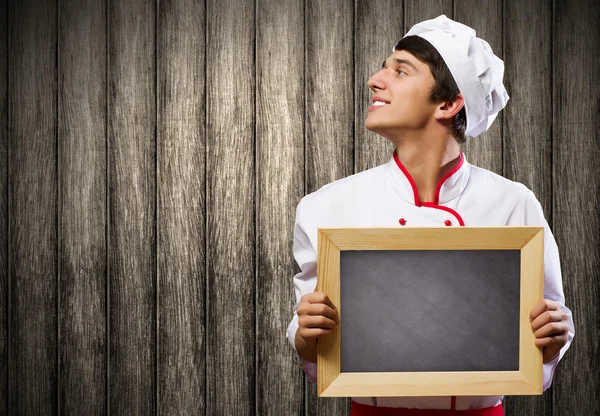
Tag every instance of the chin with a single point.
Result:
(374, 125)
(379, 127)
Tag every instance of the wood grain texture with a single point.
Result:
(82, 181)
(528, 114)
(85, 199)
(576, 184)
(328, 351)
(230, 170)
(329, 120)
(32, 204)
(433, 238)
(379, 25)
(280, 186)
(416, 11)
(436, 383)
(132, 212)
(329, 92)
(181, 144)
(4, 240)
(527, 124)
(485, 17)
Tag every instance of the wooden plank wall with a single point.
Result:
(153, 153)
(81, 141)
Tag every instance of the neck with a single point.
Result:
(427, 161)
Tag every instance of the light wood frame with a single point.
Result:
(331, 382)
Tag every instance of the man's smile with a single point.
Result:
(377, 103)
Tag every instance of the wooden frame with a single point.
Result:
(527, 381)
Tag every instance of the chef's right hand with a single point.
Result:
(317, 317)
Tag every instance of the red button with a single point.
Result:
(448, 223)
(402, 221)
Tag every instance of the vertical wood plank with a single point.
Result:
(527, 125)
(82, 161)
(32, 200)
(181, 207)
(485, 17)
(416, 11)
(132, 212)
(329, 92)
(230, 170)
(280, 185)
(576, 174)
(329, 108)
(528, 114)
(4, 166)
(379, 25)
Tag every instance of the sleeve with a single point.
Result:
(553, 287)
(304, 282)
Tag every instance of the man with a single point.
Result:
(440, 84)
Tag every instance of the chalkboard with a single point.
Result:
(431, 310)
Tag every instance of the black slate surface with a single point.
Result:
(430, 310)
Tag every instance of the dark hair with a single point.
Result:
(445, 88)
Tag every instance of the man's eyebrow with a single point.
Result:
(401, 61)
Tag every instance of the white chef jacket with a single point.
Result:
(386, 196)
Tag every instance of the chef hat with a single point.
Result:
(476, 70)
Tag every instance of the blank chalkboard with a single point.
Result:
(429, 310)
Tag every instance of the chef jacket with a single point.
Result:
(386, 196)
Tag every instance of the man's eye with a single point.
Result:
(401, 72)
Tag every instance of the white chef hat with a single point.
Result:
(476, 70)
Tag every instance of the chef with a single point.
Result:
(440, 84)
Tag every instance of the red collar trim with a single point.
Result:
(439, 186)
(410, 179)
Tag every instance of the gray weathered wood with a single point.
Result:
(329, 104)
(528, 114)
(32, 204)
(329, 92)
(379, 25)
(252, 109)
(181, 144)
(132, 213)
(485, 17)
(416, 11)
(527, 125)
(280, 185)
(230, 170)
(576, 184)
(4, 206)
(82, 184)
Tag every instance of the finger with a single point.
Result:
(318, 309)
(309, 321)
(312, 333)
(546, 317)
(325, 310)
(543, 306)
(543, 342)
(320, 297)
(551, 329)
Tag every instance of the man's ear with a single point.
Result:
(448, 109)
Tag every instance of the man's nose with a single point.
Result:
(376, 82)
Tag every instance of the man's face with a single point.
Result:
(404, 84)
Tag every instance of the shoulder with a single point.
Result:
(490, 183)
(345, 190)
(498, 191)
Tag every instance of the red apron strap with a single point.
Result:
(453, 403)
(366, 410)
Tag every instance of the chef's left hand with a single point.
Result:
(550, 326)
